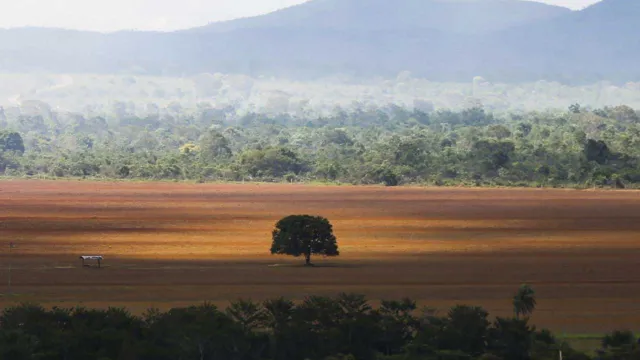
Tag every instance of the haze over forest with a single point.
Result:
(504, 54)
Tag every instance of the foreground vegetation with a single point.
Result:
(389, 145)
(344, 327)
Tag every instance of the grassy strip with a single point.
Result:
(319, 183)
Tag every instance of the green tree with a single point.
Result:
(597, 150)
(298, 235)
(11, 141)
(398, 325)
(524, 301)
(319, 315)
(358, 326)
(196, 332)
(214, 145)
(466, 330)
(620, 345)
(624, 113)
(492, 155)
(385, 175)
(271, 162)
(337, 136)
(498, 131)
(511, 339)
(250, 315)
(279, 320)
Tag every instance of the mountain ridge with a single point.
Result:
(460, 16)
(596, 43)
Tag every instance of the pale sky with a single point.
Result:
(162, 15)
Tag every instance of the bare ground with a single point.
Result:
(177, 244)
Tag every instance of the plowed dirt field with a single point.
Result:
(168, 244)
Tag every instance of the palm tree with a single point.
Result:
(278, 313)
(524, 302)
(250, 315)
(278, 316)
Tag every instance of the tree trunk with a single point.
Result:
(307, 258)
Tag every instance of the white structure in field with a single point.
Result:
(91, 257)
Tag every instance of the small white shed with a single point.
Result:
(91, 257)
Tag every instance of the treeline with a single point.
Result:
(345, 327)
(384, 145)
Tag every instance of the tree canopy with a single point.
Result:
(342, 327)
(11, 141)
(304, 235)
(388, 145)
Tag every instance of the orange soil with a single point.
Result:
(168, 244)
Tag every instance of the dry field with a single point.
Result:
(169, 244)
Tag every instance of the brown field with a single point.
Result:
(168, 244)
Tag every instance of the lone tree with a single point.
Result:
(298, 235)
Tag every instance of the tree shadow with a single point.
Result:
(320, 265)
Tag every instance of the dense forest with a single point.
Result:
(387, 145)
(345, 327)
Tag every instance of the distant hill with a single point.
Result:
(600, 42)
(458, 16)
(502, 40)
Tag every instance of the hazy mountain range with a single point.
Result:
(442, 40)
